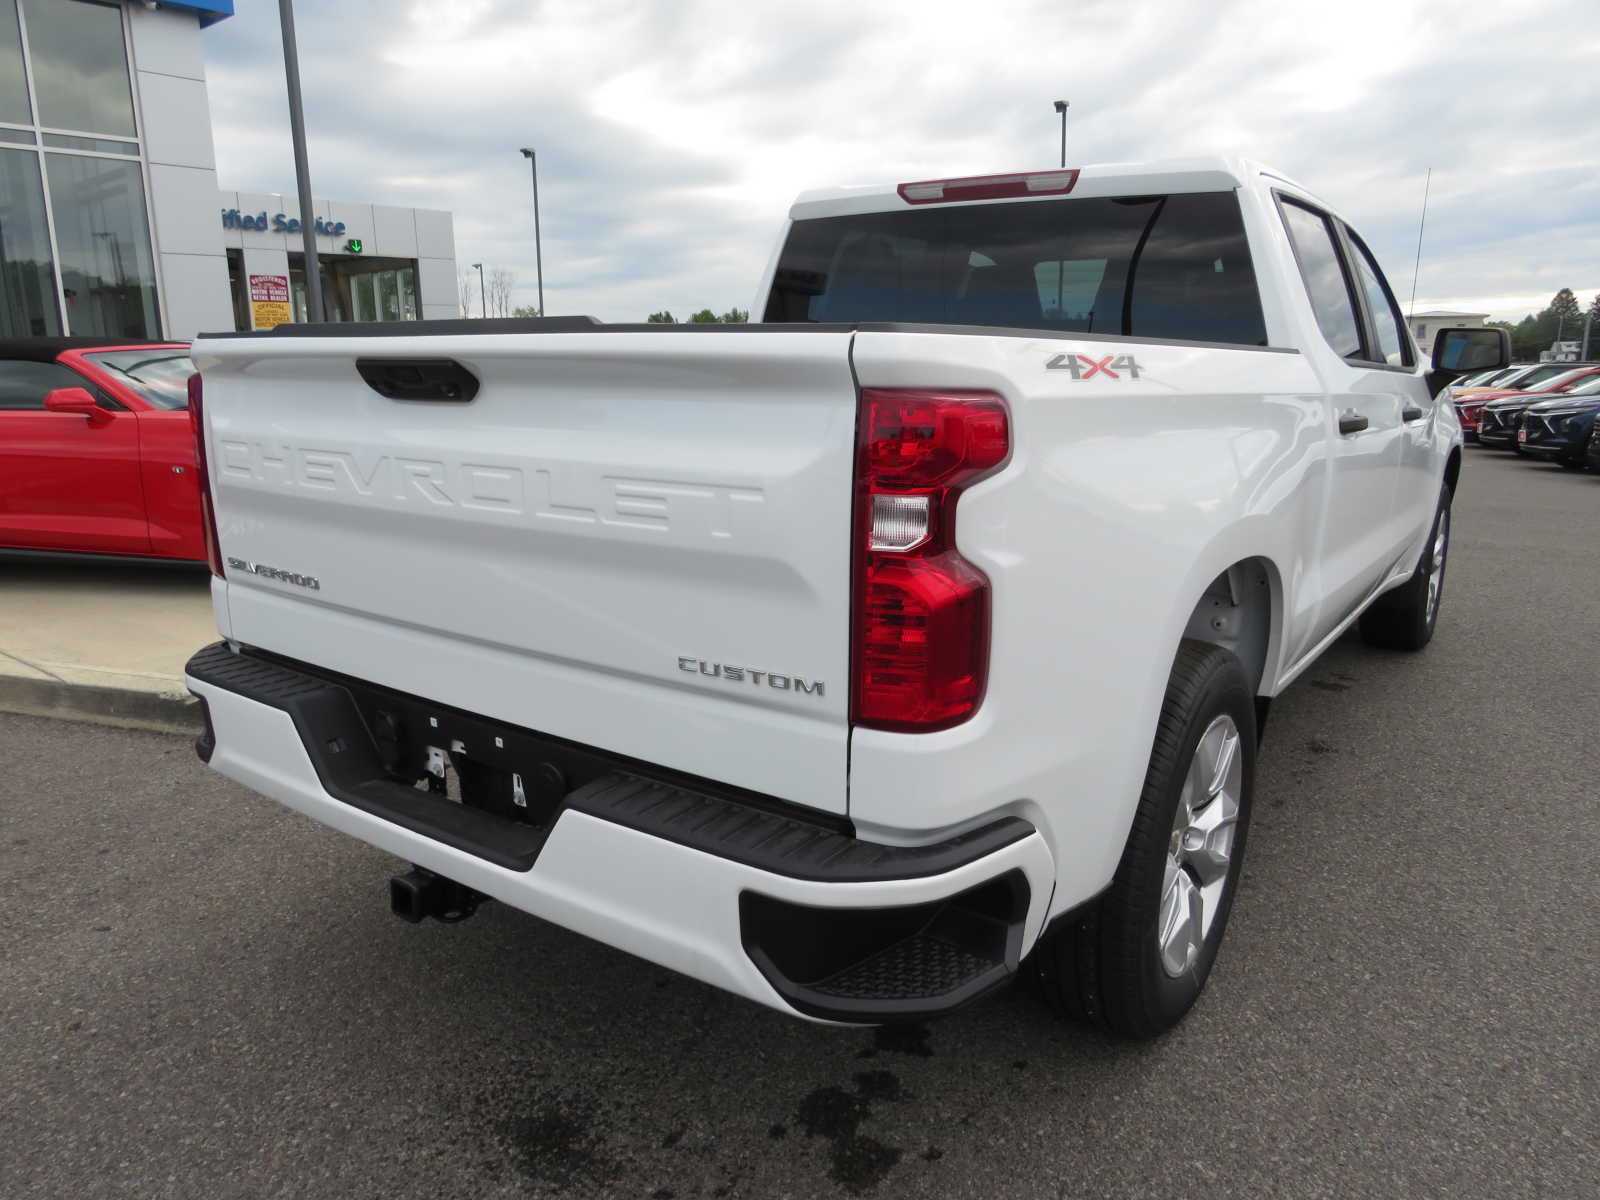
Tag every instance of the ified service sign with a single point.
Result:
(269, 301)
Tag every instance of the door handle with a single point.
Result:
(1411, 413)
(1350, 421)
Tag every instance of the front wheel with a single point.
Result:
(1404, 619)
(1137, 959)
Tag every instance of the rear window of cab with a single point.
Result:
(1166, 267)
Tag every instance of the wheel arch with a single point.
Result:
(1241, 610)
(1452, 470)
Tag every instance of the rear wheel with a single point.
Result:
(1137, 959)
(1404, 618)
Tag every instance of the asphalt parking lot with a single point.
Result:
(204, 995)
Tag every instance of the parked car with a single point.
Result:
(1592, 454)
(1498, 421)
(97, 450)
(1469, 410)
(1519, 380)
(1485, 378)
(764, 651)
(1558, 429)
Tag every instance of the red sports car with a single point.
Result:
(96, 450)
(1469, 408)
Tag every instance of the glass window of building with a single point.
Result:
(102, 234)
(27, 276)
(363, 298)
(408, 294)
(388, 296)
(13, 87)
(80, 66)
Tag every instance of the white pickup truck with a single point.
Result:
(853, 659)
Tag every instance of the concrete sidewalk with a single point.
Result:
(102, 641)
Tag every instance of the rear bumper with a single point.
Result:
(762, 902)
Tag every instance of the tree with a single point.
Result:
(501, 282)
(466, 288)
(1560, 320)
(1591, 329)
(734, 316)
(526, 310)
(1569, 317)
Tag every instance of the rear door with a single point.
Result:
(638, 541)
(67, 482)
(1361, 533)
(1389, 350)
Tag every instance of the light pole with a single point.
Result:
(482, 291)
(538, 254)
(302, 172)
(1061, 107)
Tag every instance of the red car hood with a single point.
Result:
(1501, 394)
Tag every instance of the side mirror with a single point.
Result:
(1458, 351)
(73, 400)
(1464, 350)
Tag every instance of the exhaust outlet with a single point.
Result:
(420, 893)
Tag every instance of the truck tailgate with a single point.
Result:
(635, 540)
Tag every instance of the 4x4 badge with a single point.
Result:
(1083, 367)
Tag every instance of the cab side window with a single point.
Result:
(1323, 273)
(24, 384)
(1394, 347)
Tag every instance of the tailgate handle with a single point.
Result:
(438, 379)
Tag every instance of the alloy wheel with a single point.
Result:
(1441, 547)
(1200, 850)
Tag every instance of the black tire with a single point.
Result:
(1103, 966)
(1403, 619)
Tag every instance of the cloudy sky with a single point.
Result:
(673, 135)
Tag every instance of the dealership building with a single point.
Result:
(112, 221)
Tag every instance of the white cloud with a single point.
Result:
(673, 136)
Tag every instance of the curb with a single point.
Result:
(127, 708)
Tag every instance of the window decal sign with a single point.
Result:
(269, 301)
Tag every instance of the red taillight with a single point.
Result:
(921, 610)
(208, 516)
(989, 187)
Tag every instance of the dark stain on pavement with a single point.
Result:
(556, 1145)
(859, 1162)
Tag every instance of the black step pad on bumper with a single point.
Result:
(342, 752)
(901, 963)
(781, 845)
